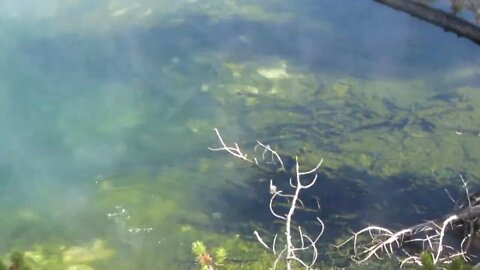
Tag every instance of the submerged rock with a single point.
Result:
(273, 73)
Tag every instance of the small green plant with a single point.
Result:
(17, 261)
(220, 256)
(427, 261)
(457, 263)
(205, 260)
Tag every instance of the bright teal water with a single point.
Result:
(107, 110)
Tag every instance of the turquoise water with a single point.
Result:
(107, 110)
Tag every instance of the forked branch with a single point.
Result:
(296, 243)
(429, 236)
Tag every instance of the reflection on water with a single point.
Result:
(107, 111)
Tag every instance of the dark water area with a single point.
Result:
(107, 111)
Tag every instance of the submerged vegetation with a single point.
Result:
(376, 125)
(105, 164)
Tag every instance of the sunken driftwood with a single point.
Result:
(453, 235)
(447, 21)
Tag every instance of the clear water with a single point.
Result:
(107, 110)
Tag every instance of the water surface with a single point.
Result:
(107, 110)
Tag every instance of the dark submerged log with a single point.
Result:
(447, 21)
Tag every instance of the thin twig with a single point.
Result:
(288, 251)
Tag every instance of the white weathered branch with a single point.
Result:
(430, 234)
(307, 243)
